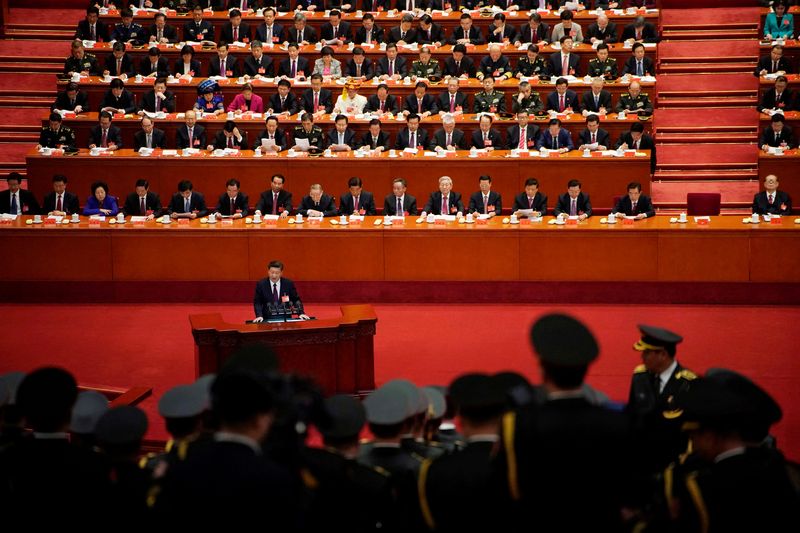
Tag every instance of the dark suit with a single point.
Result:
(198, 139)
(539, 34)
(148, 102)
(161, 68)
(126, 65)
(647, 65)
(366, 204)
(584, 206)
(382, 67)
(459, 140)
(765, 63)
(607, 35)
(494, 137)
(140, 139)
(203, 32)
(361, 35)
(539, 203)
(169, 33)
(474, 36)
(152, 204)
(465, 66)
(644, 206)
(428, 104)
(460, 101)
(194, 66)
(289, 104)
(284, 203)
(197, 204)
(309, 35)
(27, 202)
(436, 35)
(69, 204)
(125, 101)
(394, 36)
(62, 102)
(114, 136)
(349, 138)
(603, 139)
(570, 100)
(280, 138)
(409, 205)
(83, 32)
(556, 68)
(546, 140)
(403, 138)
(224, 204)
(263, 66)
(786, 101)
(326, 205)
(231, 66)
(531, 134)
(227, 33)
(263, 295)
(382, 141)
(390, 105)
(603, 100)
(645, 143)
(781, 205)
(434, 204)
(495, 204)
(343, 32)
(768, 137)
(285, 67)
(366, 70)
(325, 100)
(373, 5)
(277, 33)
(649, 33)
(221, 141)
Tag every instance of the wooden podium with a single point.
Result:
(337, 353)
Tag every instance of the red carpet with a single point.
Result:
(674, 192)
(717, 84)
(152, 345)
(44, 48)
(714, 119)
(708, 16)
(34, 82)
(705, 155)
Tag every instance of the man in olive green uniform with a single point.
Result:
(56, 135)
(635, 101)
(489, 100)
(603, 66)
(424, 67)
(527, 100)
(80, 61)
(532, 64)
(307, 130)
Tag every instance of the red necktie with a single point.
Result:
(230, 141)
(771, 199)
(142, 206)
(561, 105)
(119, 67)
(236, 33)
(485, 204)
(638, 35)
(419, 106)
(274, 203)
(565, 65)
(355, 204)
(522, 135)
(104, 140)
(594, 137)
(59, 205)
(383, 105)
(275, 292)
(444, 205)
(530, 203)
(316, 102)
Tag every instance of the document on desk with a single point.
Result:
(303, 144)
(269, 143)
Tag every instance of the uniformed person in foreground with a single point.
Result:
(489, 100)
(454, 490)
(564, 464)
(603, 66)
(425, 67)
(309, 131)
(89, 407)
(440, 431)
(56, 135)
(655, 386)
(635, 101)
(346, 495)
(743, 486)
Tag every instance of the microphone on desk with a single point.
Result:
(271, 310)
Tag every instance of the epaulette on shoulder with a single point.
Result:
(640, 369)
(644, 94)
(380, 470)
(534, 93)
(685, 373)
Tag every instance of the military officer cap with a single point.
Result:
(420, 401)
(390, 405)
(767, 411)
(184, 401)
(206, 381)
(478, 395)
(88, 409)
(121, 425)
(12, 381)
(709, 404)
(437, 404)
(563, 340)
(346, 417)
(654, 338)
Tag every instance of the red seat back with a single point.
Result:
(703, 203)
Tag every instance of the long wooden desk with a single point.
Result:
(584, 51)
(574, 123)
(603, 178)
(448, 21)
(653, 249)
(186, 93)
(786, 167)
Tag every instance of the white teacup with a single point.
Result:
(682, 217)
(120, 217)
(430, 219)
(754, 218)
(37, 218)
(76, 217)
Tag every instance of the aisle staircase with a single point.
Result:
(706, 123)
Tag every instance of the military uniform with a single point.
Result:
(529, 68)
(531, 104)
(640, 104)
(63, 138)
(315, 137)
(607, 69)
(134, 33)
(496, 69)
(426, 70)
(87, 63)
(490, 103)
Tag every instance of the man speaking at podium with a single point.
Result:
(274, 290)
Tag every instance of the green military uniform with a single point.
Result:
(531, 104)
(607, 69)
(315, 137)
(63, 138)
(426, 70)
(529, 68)
(640, 104)
(490, 103)
(87, 63)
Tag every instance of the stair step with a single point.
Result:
(706, 101)
(26, 101)
(20, 128)
(7, 137)
(691, 35)
(710, 27)
(706, 175)
(721, 137)
(35, 68)
(707, 68)
(48, 35)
